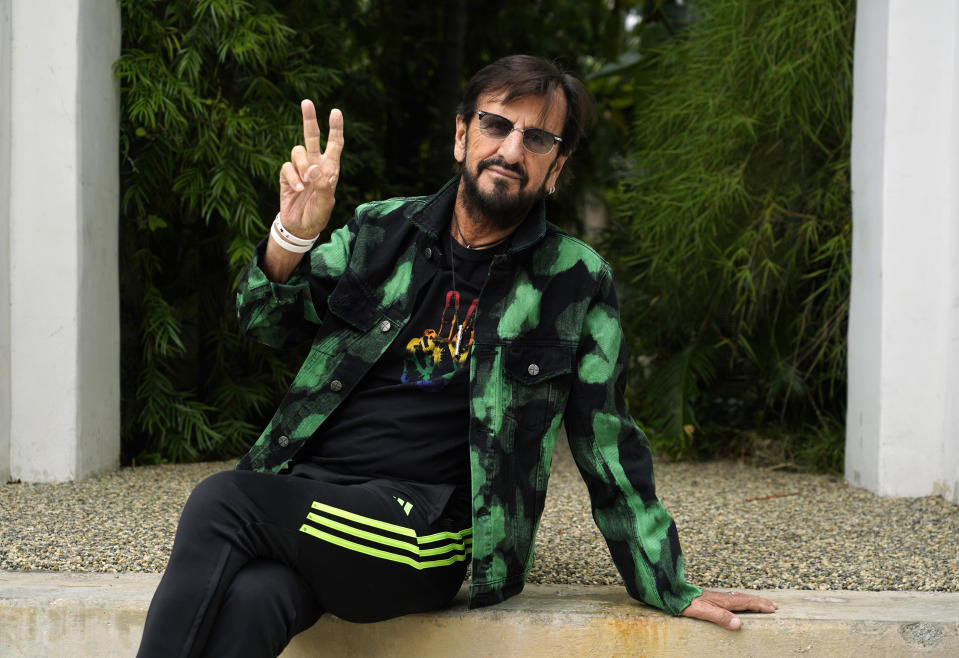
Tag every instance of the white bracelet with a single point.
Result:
(277, 238)
(299, 242)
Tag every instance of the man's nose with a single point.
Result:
(511, 148)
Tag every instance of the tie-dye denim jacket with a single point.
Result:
(548, 349)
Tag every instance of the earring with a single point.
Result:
(552, 190)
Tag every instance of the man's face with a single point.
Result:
(501, 179)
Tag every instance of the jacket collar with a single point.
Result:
(434, 217)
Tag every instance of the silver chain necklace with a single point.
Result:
(459, 332)
(456, 223)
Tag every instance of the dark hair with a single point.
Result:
(524, 75)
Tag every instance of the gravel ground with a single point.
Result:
(740, 526)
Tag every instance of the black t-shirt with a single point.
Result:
(408, 418)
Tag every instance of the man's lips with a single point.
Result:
(504, 170)
(505, 173)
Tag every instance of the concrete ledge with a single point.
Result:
(59, 614)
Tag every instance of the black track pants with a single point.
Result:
(258, 558)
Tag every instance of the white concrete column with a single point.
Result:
(63, 209)
(903, 414)
(950, 466)
(5, 70)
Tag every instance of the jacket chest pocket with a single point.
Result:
(350, 302)
(355, 323)
(539, 375)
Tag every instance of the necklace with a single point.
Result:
(456, 223)
(459, 332)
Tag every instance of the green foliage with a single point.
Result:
(731, 237)
(732, 229)
(674, 392)
(209, 92)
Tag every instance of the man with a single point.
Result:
(451, 336)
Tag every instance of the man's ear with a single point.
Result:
(555, 171)
(459, 141)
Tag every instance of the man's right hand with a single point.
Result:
(308, 180)
(307, 187)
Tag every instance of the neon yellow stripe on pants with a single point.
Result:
(375, 552)
(388, 541)
(390, 527)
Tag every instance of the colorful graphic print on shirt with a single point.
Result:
(432, 359)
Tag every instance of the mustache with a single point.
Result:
(499, 162)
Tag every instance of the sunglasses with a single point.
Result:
(535, 140)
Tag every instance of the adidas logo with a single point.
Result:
(407, 506)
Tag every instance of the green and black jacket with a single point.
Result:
(548, 349)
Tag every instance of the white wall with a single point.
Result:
(5, 70)
(903, 322)
(64, 334)
(951, 455)
(98, 118)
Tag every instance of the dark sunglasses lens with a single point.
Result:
(538, 141)
(495, 126)
(535, 140)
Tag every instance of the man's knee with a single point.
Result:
(216, 497)
(215, 489)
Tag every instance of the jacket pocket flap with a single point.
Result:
(532, 363)
(350, 302)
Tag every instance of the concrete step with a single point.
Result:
(73, 614)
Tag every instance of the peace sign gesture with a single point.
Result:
(308, 180)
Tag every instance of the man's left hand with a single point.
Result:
(718, 607)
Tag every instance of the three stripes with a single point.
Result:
(386, 540)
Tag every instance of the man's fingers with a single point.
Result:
(757, 604)
(289, 176)
(717, 607)
(730, 622)
(301, 161)
(740, 601)
(311, 130)
(311, 141)
(700, 608)
(334, 143)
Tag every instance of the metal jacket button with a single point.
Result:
(428, 253)
(533, 369)
(336, 386)
(385, 326)
(283, 441)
